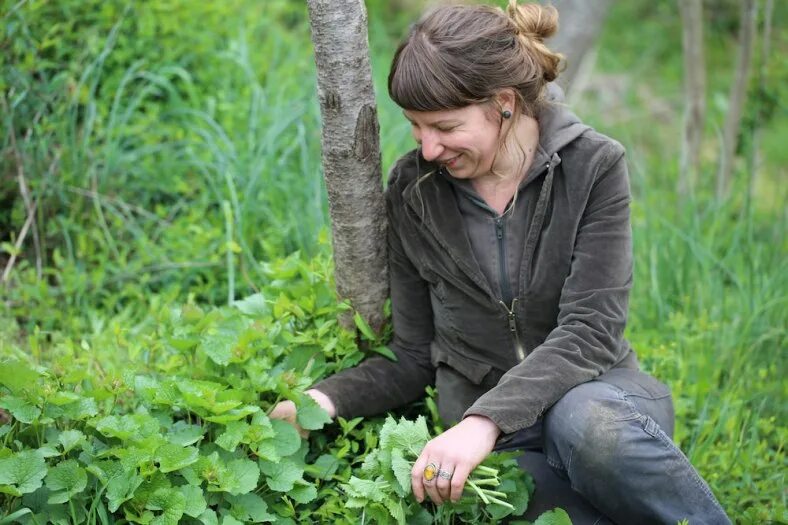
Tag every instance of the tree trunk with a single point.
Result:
(695, 93)
(580, 23)
(749, 17)
(351, 155)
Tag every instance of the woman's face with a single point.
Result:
(463, 140)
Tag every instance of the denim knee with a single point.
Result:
(585, 426)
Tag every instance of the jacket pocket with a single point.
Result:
(474, 371)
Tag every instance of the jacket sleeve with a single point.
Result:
(588, 338)
(378, 384)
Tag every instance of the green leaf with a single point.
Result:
(220, 341)
(67, 476)
(250, 508)
(24, 471)
(237, 477)
(281, 476)
(233, 434)
(174, 457)
(410, 436)
(21, 409)
(195, 501)
(303, 492)
(233, 415)
(121, 488)
(386, 352)
(80, 410)
(171, 502)
(324, 467)
(185, 434)
(401, 468)
(310, 415)
(372, 490)
(395, 509)
(69, 439)
(208, 517)
(554, 517)
(362, 325)
(18, 376)
(286, 439)
(254, 306)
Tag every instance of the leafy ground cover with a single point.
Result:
(171, 150)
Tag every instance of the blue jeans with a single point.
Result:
(603, 452)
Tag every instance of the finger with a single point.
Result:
(416, 478)
(429, 481)
(443, 481)
(458, 479)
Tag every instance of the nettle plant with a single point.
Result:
(171, 425)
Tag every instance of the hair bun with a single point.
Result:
(534, 21)
(533, 24)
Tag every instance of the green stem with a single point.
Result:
(479, 492)
(482, 469)
(73, 512)
(487, 482)
(502, 503)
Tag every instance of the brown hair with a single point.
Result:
(458, 55)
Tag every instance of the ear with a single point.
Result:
(505, 99)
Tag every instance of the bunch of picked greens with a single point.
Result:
(495, 489)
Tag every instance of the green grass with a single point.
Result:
(174, 151)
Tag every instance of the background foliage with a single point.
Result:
(171, 151)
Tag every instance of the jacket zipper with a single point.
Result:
(506, 289)
(513, 328)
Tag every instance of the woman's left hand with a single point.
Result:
(451, 457)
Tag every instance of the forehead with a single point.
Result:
(443, 115)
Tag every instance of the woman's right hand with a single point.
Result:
(286, 410)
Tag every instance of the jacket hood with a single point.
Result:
(558, 126)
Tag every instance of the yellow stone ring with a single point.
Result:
(430, 471)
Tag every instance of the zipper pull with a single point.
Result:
(499, 228)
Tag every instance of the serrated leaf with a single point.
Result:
(372, 490)
(286, 439)
(21, 409)
(254, 306)
(80, 410)
(67, 476)
(208, 517)
(195, 500)
(250, 508)
(324, 467)
(174, 457)
(234, 414)
(401, 468)
(18, 376)
(238, 477)
(395, 509)
(69, 439)
(303, 493)
(553, 517)
(410, 436)
(233, 434)
(171, 502)
(218, 342)
(310, 415)
(23, 472)
(121, 488)
(185, 434)
(281, 476)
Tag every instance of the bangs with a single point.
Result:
(420, 81)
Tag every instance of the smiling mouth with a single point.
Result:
(450, 162)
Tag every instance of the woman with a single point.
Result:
(511, 265)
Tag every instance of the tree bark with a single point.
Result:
(695, 94)
(351, 155)
(749, 15)
(580, 23)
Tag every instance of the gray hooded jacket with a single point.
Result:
(506, 361)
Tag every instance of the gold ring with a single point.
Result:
(445, 474)
(430, 471)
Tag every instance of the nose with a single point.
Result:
(431, 148)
